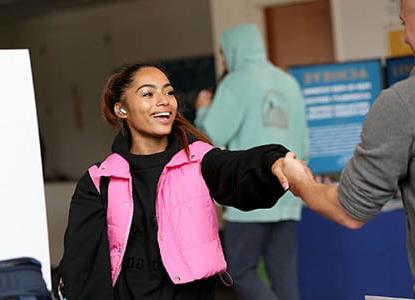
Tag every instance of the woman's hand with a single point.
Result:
(204, 99)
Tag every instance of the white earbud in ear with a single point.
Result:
(122, 110)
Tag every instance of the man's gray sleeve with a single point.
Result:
(380, 160)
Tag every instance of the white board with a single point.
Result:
(23, 225)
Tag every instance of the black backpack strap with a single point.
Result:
(103, 189)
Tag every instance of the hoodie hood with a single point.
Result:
(242, 45)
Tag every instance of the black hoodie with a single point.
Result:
(241, 179)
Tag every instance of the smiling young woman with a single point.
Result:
(142, 223)
(141, 99)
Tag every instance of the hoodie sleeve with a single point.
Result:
(243, 179)
(226, 109)
(85, 266)
(300, 128)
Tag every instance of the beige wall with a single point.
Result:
(58, 196)
(7, 36)
(361, 27)
(73, 52)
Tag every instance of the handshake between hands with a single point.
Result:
(293, 174)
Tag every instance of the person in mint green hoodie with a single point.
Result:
(257, 103)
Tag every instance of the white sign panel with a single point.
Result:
(23, 225)
(384, 298)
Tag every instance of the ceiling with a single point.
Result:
(12, 10)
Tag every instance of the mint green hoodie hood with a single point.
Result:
(241, 46)
(255, 104)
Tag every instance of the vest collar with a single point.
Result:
(181, 157)
(115, 166)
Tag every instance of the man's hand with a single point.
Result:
(322, 198)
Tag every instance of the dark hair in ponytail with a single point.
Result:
(113, 92)
(114, 89)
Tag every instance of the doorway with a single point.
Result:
(299, 34)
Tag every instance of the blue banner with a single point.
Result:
(337, 98)
(398, 68)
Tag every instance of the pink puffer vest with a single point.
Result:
(187, 226)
